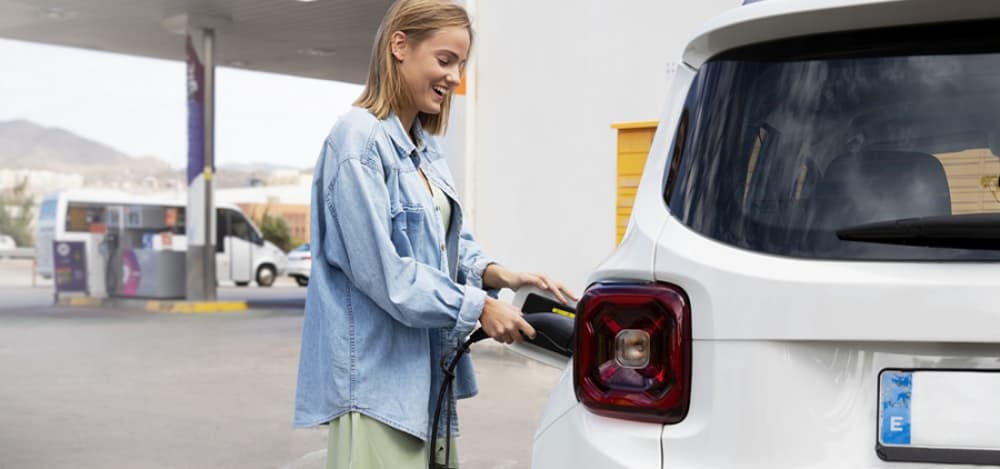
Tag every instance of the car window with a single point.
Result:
(80, 215)
(47, 211)
(221, 229)
(779, 156)
(240, 227)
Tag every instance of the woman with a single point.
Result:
(397, 282)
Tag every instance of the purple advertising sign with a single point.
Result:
(196, 113)
(69, 266)
(131, 273)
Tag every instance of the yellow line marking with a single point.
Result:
(80, 301)
(195, 307)
(563, 312)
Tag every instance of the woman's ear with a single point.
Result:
(399, 45)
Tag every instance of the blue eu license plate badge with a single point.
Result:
(896, 390)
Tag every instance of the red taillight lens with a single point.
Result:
(307, 257)
(633, 352)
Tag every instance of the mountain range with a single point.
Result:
(28, 145)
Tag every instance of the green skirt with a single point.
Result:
(357, 441)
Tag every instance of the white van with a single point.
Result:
(242, 253)
(811, 272)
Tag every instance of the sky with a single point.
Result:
(138, 105)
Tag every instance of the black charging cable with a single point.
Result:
(553, 344)
(446, 389)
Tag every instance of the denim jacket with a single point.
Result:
(390, 294)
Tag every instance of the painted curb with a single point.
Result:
(157, 306)
(196, 307)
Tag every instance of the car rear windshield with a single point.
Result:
(777, 154)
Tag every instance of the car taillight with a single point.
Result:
(633, 352)
(307, 257)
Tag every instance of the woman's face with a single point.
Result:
(433, 67)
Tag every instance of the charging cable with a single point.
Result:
(446, 390)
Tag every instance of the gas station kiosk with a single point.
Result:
(130, 254)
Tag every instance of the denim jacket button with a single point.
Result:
(442, 247)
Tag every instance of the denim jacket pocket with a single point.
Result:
(408, 229)
(416, 225)
(399, 234)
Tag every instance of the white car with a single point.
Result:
(299, 264)
(810, 277)
(7, 242)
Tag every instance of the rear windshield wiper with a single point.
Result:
(967, 231)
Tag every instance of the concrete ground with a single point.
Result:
(18, 273)
(130, 389)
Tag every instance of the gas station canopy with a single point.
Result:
(324, 39)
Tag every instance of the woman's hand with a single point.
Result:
(504, 323)
(497, 276)
(543, 282)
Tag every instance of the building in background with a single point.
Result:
(39, 182)
(296, 216)
(290, 203)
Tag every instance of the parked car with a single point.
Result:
(299, 264)
(7, 242)
(809, 276)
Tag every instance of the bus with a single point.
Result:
(242, 253)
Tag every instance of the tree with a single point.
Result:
(17, 210)
(276, 231)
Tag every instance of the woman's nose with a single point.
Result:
(454, 79)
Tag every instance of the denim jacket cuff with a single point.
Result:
(491, 292)
(475, 277)
(468, 314)
(476, 271)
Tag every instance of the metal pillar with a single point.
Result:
(200, 217)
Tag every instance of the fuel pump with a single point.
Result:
(110, 251)
(136, 266)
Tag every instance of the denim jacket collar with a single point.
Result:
(401, 137)
(423, 146)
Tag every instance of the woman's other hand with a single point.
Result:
(497, 276)
(504, 323)
(544, 282)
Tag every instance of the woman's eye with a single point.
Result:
(443, 61)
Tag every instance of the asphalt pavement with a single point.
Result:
(115, 388)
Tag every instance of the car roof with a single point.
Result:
(769, 20)
(119, 197)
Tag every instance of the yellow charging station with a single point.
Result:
(634, 141)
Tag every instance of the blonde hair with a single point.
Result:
(385, 90)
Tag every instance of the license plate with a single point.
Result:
(939, 416)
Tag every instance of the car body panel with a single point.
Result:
(299, 262)
(7, 242)
(778, 19)
(786, 352)
(791, 404)
(634, 257)
(778, 298)
(577, 439)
